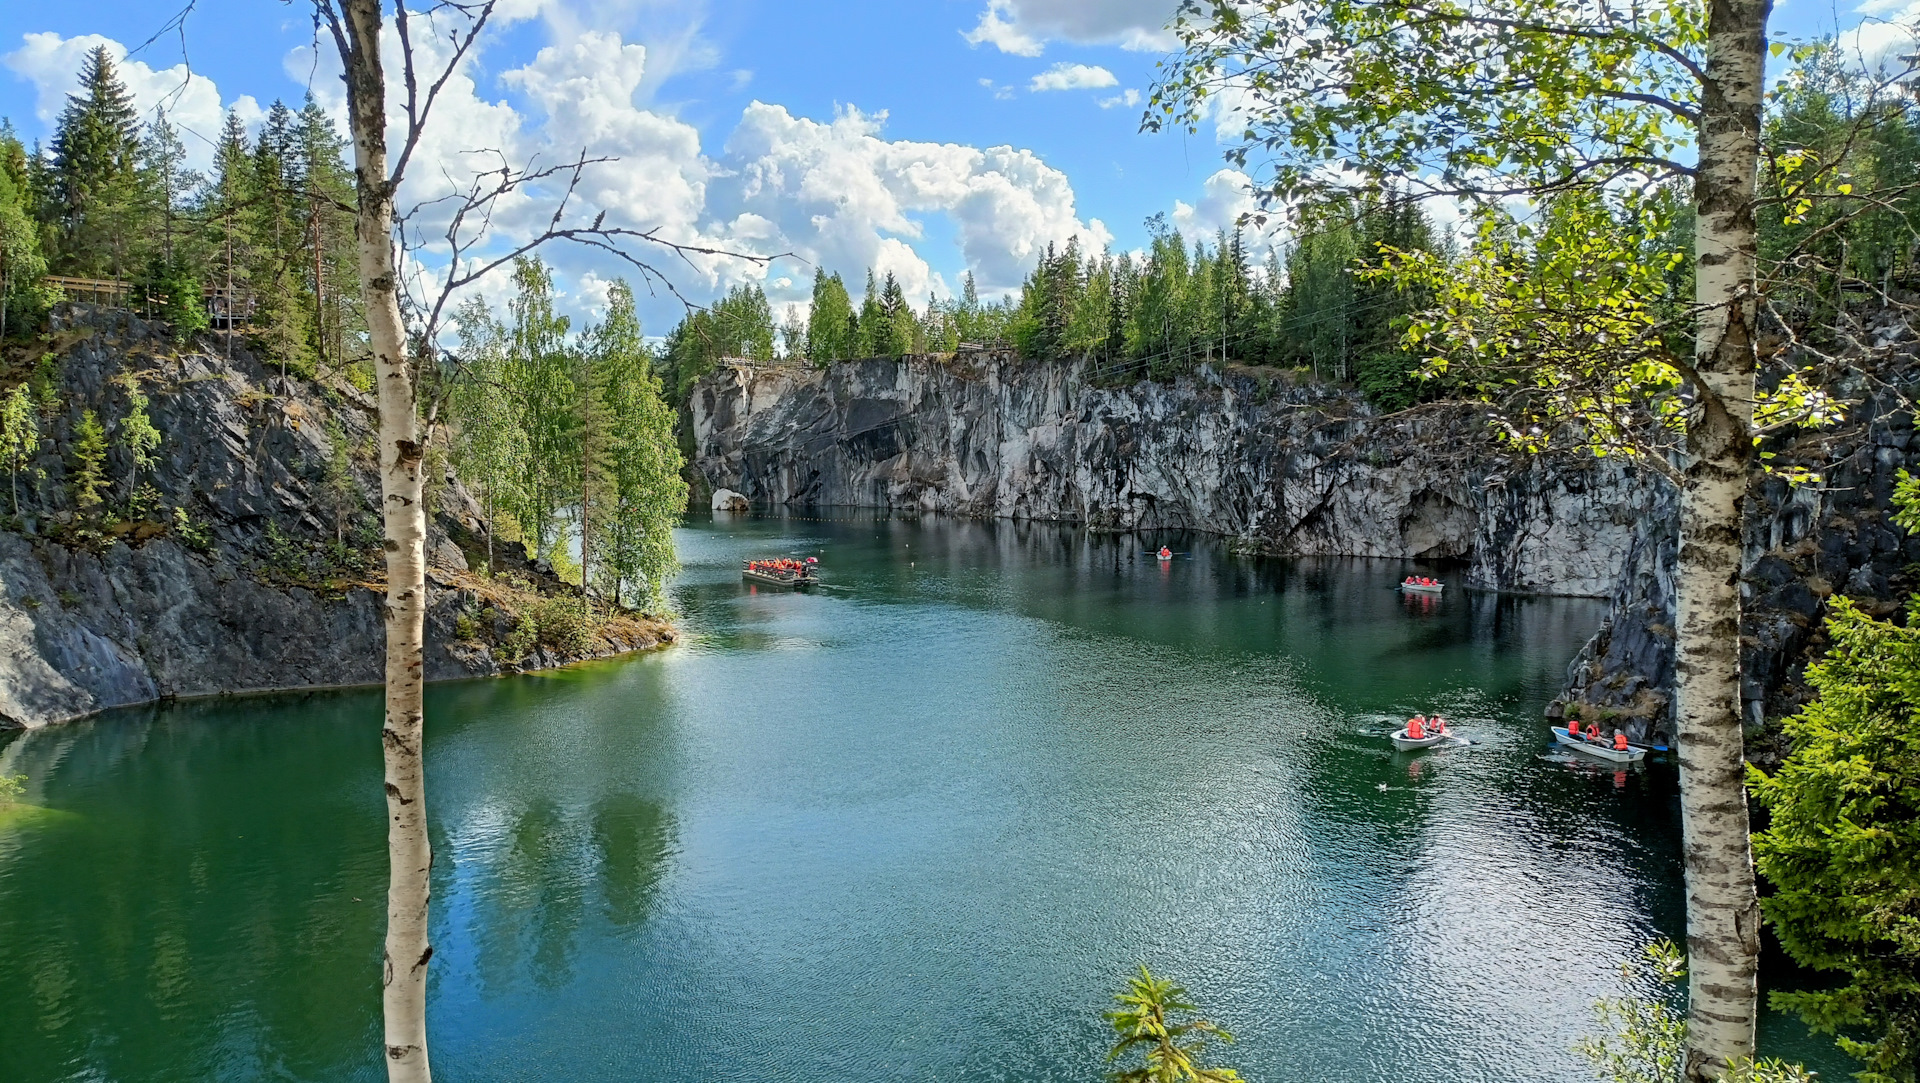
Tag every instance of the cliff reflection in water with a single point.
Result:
(913, 825)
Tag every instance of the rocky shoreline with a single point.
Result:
(245, 557)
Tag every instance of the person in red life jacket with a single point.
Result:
(1166, 553)
(1573, 728)
(1593, 731)
(1619, 740)
(1438, 726)
(1417, 728)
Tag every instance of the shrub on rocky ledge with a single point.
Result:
(561, 625)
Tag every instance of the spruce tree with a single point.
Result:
(94, 173)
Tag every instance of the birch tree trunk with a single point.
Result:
(1723, 915)
(409, 853)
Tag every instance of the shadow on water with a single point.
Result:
(913, 825)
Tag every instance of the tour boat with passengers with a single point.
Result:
(1598, 747)
(781, 572)
(1419, 584)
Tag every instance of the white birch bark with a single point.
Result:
(409, 853)
(1723, 916)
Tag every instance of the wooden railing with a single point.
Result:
(226, 309)
(100, 291)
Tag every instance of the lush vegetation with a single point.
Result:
(1157, 1024)
(1643, 1039)
(263, 243)
(1842, 848)
(1151, 315)
(568, 435)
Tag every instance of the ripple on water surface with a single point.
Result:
(917, 824)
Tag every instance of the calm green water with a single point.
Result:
(916, 827)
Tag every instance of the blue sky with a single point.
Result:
(851, 133)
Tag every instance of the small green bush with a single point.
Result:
(561, 625)
(520, 641)
(194, 534)
(11, 787)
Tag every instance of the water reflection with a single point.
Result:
(911, 826)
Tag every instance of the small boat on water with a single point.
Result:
(1407, 744)
(1414, 584)
(1599, 749)
(787, 573)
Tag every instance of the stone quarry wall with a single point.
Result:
(1283, 468)
(1308, 470)
(1804, 544)
(236, 596)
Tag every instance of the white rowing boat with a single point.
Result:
(1423, 588)
(1406, 744)
(1601, 749)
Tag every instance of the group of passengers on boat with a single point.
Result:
(1419, 581)
(1420, 727)
(781, 566)
(1592, 735)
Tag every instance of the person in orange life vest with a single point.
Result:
(1438, 726)
(1165, 553)
(1417, 728)
(1619, 740)
(1593, 731)
(1573, 728)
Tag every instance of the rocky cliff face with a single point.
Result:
(1308, 470)
(245, 558)
(1804, 544)
(1281, 468)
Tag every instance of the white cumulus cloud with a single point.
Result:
(997, 30)
(192, 103)
(1073, 77)
(1023, 27)
(844, 197)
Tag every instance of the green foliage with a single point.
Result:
(196, 535)
(544, 423)
(96, 195)
(22, 263)
(643, 491)
(136, 431)
(560, 626)
(1511, 94)
(340, 489)
(738, 325)
(1641, 1040)
(542, 373)
(19, 436)
(1155, 1021)
(87, 479)
(1842, 848)
(285, 555)
(1644, 1040)
(11, 787)
(174, 290)
(830, 323)
(1157, 316)
(520, 640)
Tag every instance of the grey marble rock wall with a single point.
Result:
(234, 591)
(1282, 468)
(1309, 470)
